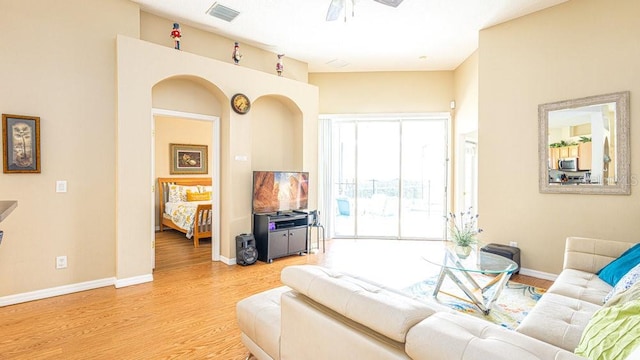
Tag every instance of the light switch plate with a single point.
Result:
(61, 186)
(61, 262)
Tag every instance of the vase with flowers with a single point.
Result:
(463, 228)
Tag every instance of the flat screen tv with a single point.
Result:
(280, 191)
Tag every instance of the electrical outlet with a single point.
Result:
(61, 262)
(513, 244)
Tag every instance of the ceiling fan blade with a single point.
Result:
(393, 3)
(335, 8)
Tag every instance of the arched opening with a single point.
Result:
(134, 177)
(185, 112)
(281, 119)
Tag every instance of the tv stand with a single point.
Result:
(280, 234)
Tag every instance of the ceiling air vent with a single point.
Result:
(222, 12)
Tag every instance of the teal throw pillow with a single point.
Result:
(612, 333)
(615, 270)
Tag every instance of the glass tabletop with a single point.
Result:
(477, 261)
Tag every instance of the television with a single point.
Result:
(280, 191)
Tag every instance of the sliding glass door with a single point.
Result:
(388, 177)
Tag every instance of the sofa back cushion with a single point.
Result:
(459, 336)
(384, 311)
(591, 255)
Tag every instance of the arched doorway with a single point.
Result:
(213, 166)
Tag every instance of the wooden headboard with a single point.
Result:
(164, 183)
(202, 224)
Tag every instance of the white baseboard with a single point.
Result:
(227, 261)
(73, 288)
(133, 280)
(56, 291)
(538, 274)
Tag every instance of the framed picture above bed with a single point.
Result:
(21, 143)
(189, 159)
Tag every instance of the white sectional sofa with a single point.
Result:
(563, 312)
(321, 314)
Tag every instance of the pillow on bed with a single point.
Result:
(205, 188)
(178, 193)
(196, 196)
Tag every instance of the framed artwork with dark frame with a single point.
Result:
(189, 159)
(20, 144)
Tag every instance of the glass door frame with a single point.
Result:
(325, 179)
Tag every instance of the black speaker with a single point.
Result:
(509, 252)
(246, 253)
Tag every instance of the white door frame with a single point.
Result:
(214, 165)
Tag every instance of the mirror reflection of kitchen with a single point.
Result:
(581, 149)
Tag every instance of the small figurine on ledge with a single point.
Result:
(176, 35)
(280, 64)
(236, 56)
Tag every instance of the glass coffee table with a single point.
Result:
(497, 268)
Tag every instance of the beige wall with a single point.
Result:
(384, 92)
(156, 29)
(94, 96)
(186, 94)
(466, 96)
(465, 125)
(276, 134)
(573, 50)
(58, 62)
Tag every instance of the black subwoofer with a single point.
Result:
(246, 252)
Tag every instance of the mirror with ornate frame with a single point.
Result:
(583, 145)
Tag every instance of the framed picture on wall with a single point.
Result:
(189, 159)
(21, 144)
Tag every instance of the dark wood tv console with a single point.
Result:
(279, 235)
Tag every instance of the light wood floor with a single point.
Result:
(188, 311)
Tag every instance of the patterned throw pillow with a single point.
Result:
(178, 193)
(632, 293)
(174, 193)
(630, 278)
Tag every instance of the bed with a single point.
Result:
(185, 205)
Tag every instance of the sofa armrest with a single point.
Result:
(591, 255)
(460, 336)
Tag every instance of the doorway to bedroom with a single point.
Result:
(175, 247)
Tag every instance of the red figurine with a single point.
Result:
(236, 56)
(176, 35)
(280, 65)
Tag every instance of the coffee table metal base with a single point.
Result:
(476, 292)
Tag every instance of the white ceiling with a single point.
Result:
(417, 35)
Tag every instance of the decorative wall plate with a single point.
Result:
(240, 103)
